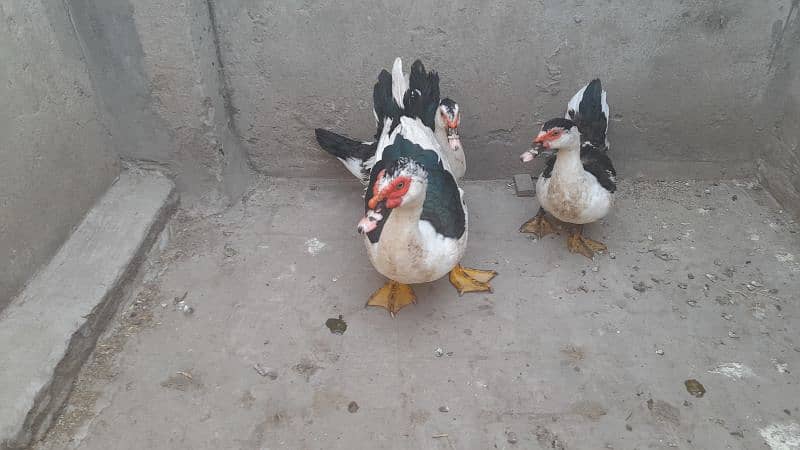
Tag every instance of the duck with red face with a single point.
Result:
(415, 221)
(576, 187)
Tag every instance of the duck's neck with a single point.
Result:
(441, 137)
(403, 223)
(568, 160)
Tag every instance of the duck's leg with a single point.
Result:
(538, 225)
(393, 296)
(471, 280)
(577, 243)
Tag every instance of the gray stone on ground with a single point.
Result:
(523, 183)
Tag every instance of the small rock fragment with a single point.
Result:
(660, 352)
(229, 251)
(695, 388)
(352, 407)
(690, 276)
(511, 437)
(336, 326)
(260, 370)
(691, 302)
(683, 285)
(444, 409)
(640, 286)
(732, 334)
(711, 277)
(438, 352)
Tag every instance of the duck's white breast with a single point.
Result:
(411, 259)
(577, 200)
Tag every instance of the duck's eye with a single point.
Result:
(400, 185)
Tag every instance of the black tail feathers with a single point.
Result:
(343, 147)
(590, 117)
(422, 97)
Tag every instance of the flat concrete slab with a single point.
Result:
(523, 183)
(51, 327)
(701, 284)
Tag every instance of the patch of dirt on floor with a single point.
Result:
(102, 368)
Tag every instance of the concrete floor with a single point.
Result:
(701, 283)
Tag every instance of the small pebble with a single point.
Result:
(695, 388)
(612, 255)
(690, 276)
(711, 276)
(732, 334)
(660, 352)
(352, 407)
(639, 287)
(683, 285)
(438, 352)
(691, 302)
(511, 437)
(595, 269)
(230, 251)
(444, 409)
(727, 316)
(735, 197)
(260, 370)
(185, 309)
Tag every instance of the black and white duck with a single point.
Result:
(443, 118)
(415, 222)
(578, 183)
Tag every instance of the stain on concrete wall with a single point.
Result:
(684, 78)
(55, 154)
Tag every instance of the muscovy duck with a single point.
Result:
(592, 123)
(359, 157)
(415, 221)
(577, 185)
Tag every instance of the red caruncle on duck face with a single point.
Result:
(545, 138)
(392, 193)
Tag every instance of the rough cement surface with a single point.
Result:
(567, 353)
(51, 328)
(685, 79)
(157, 75)
(55, 155)
(779, 168)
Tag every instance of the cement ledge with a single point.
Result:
(49, 330)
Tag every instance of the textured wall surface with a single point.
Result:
(683, 77)
(779, 167)
(55, 155)
(156, 73)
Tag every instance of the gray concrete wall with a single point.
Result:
(779, 166)
(55, 154)
(156, 71)
(683, 77)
